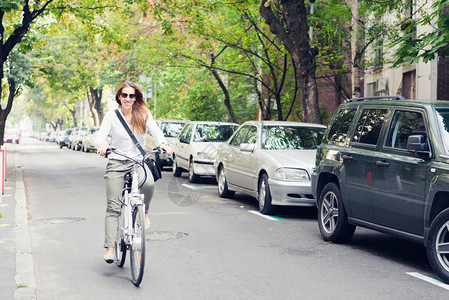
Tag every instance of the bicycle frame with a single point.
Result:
(130, 199)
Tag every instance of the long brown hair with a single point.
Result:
(140, 111)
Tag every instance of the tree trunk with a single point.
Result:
(227, 100)
(5, 112)
(356, 59)
(295, 39)
(97, 95)
(75, 120)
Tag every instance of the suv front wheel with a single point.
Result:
(332, 217)
(438, 245)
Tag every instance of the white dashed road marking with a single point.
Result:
(264, 216)
(430, 280)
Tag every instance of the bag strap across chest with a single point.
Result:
(128, 130)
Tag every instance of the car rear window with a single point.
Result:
(369, 126)
(339, 129)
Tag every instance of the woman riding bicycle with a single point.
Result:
(139, 119)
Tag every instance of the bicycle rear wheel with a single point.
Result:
(137, 249)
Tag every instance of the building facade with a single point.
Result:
(416, 81)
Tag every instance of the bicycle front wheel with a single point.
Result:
(120, 245)
(120, 252)
(137, 249)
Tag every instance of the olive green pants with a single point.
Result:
(115, 180)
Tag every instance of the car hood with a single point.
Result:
(294, 158)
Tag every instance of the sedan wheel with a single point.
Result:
(264, 196)
(176, 170)
(223, 191)
(332, 217)
(192, 176)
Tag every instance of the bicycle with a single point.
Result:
(131, 221)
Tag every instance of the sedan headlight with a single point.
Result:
(205, 156)
(291, 174)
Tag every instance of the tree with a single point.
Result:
(330, 24)
(11, 34)
(287, 19)
(237, 48)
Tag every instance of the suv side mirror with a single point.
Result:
(184, 140)
(418, 144)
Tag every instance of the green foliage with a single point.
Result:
(331, 37)
(179, 43)
(193, 96)
(427, 45)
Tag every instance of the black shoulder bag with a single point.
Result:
(151, 163)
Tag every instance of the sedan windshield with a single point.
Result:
(213, 133)
(291, 137)
(171, 129)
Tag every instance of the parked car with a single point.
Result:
(196, 147)
(384, 165)
(52, 137)
(171, 130)
(12, 135)
(88, 139)
(63, 138)
(77, 138)
(271, 161)
(72, 136)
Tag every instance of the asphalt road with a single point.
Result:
(201, 246)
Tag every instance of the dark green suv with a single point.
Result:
(384, 165)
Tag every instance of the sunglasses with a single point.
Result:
(125, 95)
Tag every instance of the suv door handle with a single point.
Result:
(347, 157)
(382, 164)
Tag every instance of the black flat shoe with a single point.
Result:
(109, 258)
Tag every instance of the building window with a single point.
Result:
(378, 55)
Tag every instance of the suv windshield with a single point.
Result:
(213, 133)
(171, 129)
(291, 137)
(443, 120)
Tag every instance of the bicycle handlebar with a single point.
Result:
(142, 163)
(114, 150)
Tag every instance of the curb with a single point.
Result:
(24, 277)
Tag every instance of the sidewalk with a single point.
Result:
(16, 261)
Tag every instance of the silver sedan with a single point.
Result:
(269, 160)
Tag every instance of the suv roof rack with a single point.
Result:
(377, 97)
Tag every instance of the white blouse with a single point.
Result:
(121, 139)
